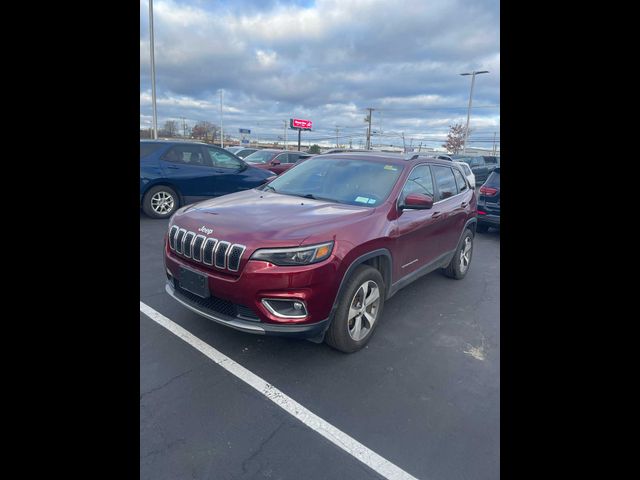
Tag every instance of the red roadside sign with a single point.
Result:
(300, 123)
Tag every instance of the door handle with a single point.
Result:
(436, 215)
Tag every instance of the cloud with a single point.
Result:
(327, 60)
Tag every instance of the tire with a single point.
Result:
(459, 264)
(364, 280)
(152, 203)
(482, 228)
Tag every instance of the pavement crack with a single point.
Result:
(260, 448)
(169, 381)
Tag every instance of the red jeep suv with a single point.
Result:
(317, 251)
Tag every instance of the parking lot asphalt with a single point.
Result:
(424, 394)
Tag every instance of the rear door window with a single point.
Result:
(445, 182)
(187, 155)
(460, 180)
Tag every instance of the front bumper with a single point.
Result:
(260, 328)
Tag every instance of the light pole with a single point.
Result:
(473, 81)
(221, 131)
(153, 73)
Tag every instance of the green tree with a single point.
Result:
(314, 149)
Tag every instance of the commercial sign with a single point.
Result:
(244, 130)
(299, 123)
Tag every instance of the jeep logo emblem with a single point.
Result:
(206, 230)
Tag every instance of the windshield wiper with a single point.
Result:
(269, 186)
(312, 197)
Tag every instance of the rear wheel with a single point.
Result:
(160, 202)
(459, 265)
(359, 310)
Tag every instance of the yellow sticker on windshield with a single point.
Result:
(390, 167)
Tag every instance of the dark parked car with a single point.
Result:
(489, 202)
(277, 161)
(319, 249)
(241, 152)
(178, 173)
(481, 166)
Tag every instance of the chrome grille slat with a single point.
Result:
(221, 254)
(179, 239)
(234, 255)
(207, 257)
(187, 243)
(196, 249)
(172, 237)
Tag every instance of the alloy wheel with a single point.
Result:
(162, 203)
(363, 310)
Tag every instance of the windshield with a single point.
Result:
(261, 156)
(233, 149)
(353, 182)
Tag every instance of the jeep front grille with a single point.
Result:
(210, 251)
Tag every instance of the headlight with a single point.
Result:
(294, 256)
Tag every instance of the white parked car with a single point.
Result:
(468, 173)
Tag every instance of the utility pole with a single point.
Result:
(473, 81)
(285, 135)
(420, 147)
(221, 131)
(404, 145)
(184, 128)
(299, 131)
(337, 131)
(494, 143)
(153, 73)
(368, 119)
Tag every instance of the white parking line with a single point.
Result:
(311, 420)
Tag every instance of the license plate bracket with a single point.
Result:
(194, 282)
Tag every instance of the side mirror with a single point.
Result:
(417, 201)
(275, 162)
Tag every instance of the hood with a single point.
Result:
(260, 219)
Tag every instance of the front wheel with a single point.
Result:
(160, 202)
(459, 264)
(359, 310)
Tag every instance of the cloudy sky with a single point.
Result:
(326, 61)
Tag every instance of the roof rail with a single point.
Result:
(413, 156)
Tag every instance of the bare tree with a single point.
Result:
(455, 138)
(170, 129)
(204, 130)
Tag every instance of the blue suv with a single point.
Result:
(173, 174)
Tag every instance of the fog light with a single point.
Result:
(285, 308)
